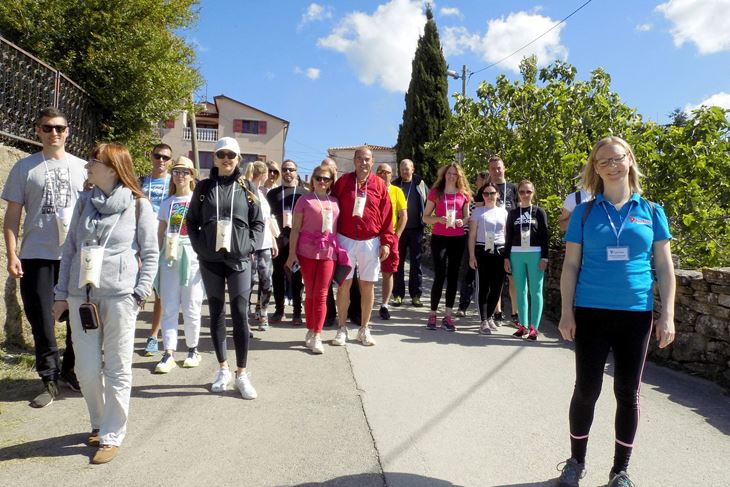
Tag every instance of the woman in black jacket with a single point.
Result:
(223, 221)
(526, 257)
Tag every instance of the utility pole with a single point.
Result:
(194, 135)
(463, 77)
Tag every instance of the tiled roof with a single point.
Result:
(372, 147)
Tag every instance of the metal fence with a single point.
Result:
(27, 85)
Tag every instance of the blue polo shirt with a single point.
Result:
(620, 285)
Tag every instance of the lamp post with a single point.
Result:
(463, 78)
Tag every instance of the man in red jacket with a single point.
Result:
(365, 231)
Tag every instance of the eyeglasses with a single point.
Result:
(524, 191)
(322, 179)
(489, 193)
(161, 157)
(382, 171)
(50, 128)
(288, 169)
(93, 162)
(603, 163)
(224, 154)
(181, 172)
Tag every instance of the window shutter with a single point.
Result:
(238, 125)
(170, 124)
(262, 127)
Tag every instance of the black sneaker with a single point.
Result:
(516, 320)
(571, 473)
(620, 479)
(50, 392)
(384, 313)
(296, 319)
(68, 378)
(276, 317)
(498, 316)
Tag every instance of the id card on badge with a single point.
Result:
(614, 254)
(359, 208)
(286, 218)
(524, 238)
(63, 221)
(327, 220)
(489, 241)
(450, 218)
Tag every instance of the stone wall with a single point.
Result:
(15, 331)
(701, 317)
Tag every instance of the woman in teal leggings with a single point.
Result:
(526, 257)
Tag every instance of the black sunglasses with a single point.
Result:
(273, 171)
(161, 157)
(50, 128)
(489, 193)
(322, 179)
(224, 154)
(288, 169)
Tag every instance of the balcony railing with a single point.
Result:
(204, 135)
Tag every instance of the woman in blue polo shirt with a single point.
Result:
(607, 276)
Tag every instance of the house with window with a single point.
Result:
(261, 135)
(343, 156)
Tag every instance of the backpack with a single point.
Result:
(577, 197)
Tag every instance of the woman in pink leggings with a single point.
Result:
(313, 246)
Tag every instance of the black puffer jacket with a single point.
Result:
(246, 218)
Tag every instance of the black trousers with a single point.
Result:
(626, 334)
(490, 279)
(411, 244)
(215, 277)
(36, 291)
(468, 278)
(279, 277)
(446, 253)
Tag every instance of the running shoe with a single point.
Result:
(308, 339)
(620, 479)
(416, 302)
(277, 316)
(193, 359)
(151, 348)
(521, 330)
(533, 334)
(68, 378)
(340, 337)
(317, 347)
(516, 320)
(571, 473)
(263, 323)
(296, 320)
(243, 383)
(492, 324)
(448, 323)
(484, 328)
(46, 397)
(166, 364)
(461, 312)
(222, 378)
(431, 325)
(364, 337)
(384, 313)
(498, 317)
(397, 301)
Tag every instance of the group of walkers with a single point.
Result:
(118, 241)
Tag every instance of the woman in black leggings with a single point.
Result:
(608, 300)
(224, 219)
(447, 209)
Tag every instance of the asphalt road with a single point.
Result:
(422, 408)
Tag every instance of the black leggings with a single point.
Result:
(215, 275)
(446, 253)
(490, 279)
(599, 331)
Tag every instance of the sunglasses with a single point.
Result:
(384, 172)
(273, 171)
(489, 193)
(161, 157)
(50, 128)
(181, 172)
(288, 169)
(224, 154)
(322, 179)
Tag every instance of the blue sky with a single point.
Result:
(338, 70)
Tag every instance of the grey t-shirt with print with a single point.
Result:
(42, 187)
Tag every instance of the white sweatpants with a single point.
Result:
(104, 363)
(175, 298)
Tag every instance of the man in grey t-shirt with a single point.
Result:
(46, 185)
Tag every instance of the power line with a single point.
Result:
(532, 41)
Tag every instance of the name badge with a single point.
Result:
(327, 220)
(90, 262)
(450, 218)
(286, 218)
(223, 234)
(524, 238)
(489, 241)
(614, 254)
(63, 221)
(172, 243)
(359, 208)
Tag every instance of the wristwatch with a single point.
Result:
(139, 300)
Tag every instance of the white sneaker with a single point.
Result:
(222, 378)
(492, 324)
(309, 339)
(243, 382)
(192, 360)
(317, 347)
(364, 337)
(166, 364)
(341, 337)
(484, 328)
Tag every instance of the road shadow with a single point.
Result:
(60, 446)
(24, 390)
(379, 480)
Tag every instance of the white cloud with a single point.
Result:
(702, 22)
(447, 11)
(380, 46)
(315, 12)
(311, 73)
(644, 27)
(507, 34)
(721, 100)
(196, 45)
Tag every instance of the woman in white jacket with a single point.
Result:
(113, 229)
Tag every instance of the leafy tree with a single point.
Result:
(125, 53)
(427, 106)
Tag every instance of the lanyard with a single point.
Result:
(109, 234)
(185, 212)
(217, 214)
(410, 187)
(149, 188)
(50, 186)
(617, 233)
(446, 201)
(283, 196)
(321, 208)
(367, 180)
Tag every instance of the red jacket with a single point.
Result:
(377, 220)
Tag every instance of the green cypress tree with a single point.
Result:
(427, 105)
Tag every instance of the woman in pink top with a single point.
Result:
(447, 209)
(314, 247)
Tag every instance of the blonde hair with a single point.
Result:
(257, 169)
(324, 167)
(593, 183)
(462, 184)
